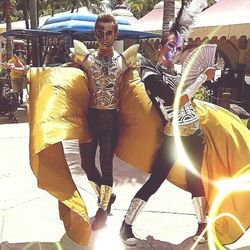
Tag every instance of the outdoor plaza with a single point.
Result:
(30, 217)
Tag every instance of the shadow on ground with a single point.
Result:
(67, 244)
(123, 172)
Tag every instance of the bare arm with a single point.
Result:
(187, 95)
(17, 66)
(11, 66)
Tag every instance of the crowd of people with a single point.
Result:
(53, 56)
(17, 78)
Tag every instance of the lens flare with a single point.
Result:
(33, 245)
(239, 183)
(225, 188)
(181, 151)
(108, 239)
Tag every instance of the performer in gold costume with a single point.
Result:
(104, 68)
(103, 71)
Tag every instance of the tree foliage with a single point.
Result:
(7, 7)
(19, 9)
(209, 2)
(140, 8)
(51, 7)
(45, 7)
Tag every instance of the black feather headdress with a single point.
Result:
(186, 16)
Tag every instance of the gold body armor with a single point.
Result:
(104, 73)
(104, 76)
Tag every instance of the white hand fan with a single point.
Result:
(197, 61)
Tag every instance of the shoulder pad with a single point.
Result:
(79, 52)
(130, 56)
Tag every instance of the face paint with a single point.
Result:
(105, 34)
(172, 49)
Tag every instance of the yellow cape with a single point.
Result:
(57, 111)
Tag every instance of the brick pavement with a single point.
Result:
(29, 216)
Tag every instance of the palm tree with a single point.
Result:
(52, 7)
(211, 2)
(6, 7)
(168, 14)
(23, 5)
(74, 5)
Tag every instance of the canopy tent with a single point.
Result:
(121, 10)
(78, 24)
(39, 38)
(30, 34)
(225, 18)
(152, 21)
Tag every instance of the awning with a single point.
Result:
(228, 31)
(225, 18)
(30, 34)
(83, 24)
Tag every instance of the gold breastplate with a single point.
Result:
(104, 75)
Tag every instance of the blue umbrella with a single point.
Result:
(83, 24)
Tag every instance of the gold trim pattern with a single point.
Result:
(105, 193)
(96, 188)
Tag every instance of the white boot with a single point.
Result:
(200, 207)
(126, 231)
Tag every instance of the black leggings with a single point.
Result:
(103, 126)
(166, 158)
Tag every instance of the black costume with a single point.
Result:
(161, 87)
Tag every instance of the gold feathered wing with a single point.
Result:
(58, 101)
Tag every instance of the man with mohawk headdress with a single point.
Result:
(216, 141)
(161, 82)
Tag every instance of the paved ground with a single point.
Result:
(29, 217)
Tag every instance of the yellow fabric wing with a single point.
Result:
(227, 151)
(58, 101)
(57, 111)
